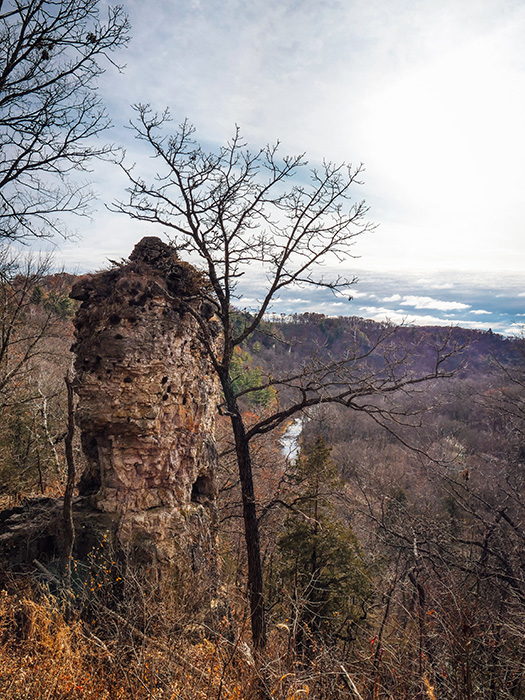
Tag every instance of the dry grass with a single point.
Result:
(45, 656)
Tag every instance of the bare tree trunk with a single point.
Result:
(50, 439)
(415, 580)
(67, 513)
(379, 648)
(251, 527)
(251, 535)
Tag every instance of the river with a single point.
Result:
(290, 439)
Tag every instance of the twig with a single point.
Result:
(350, 684)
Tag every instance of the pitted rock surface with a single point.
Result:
(147, 400)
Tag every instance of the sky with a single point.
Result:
(429, 95)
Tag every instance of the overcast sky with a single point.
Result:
(428, 94)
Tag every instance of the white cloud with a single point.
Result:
(476, 325)
(430, 95)
(516, 329)
(394, 297)
(429, 284)
(479, 312)
(322, 307)
(400, 318)
(422, 302)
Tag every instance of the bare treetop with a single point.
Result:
(51, 53)
(237, 208)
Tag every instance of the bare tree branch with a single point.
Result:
(51, 54)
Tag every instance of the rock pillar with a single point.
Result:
(147, 397)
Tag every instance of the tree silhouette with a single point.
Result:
(51, 54)
(241, 212)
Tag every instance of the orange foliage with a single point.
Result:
(44, 656)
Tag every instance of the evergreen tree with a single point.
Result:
(247, 377)
(320, 562)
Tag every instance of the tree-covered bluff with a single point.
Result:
(296, 338)
(392, 549)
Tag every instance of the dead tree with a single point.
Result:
(238, 210)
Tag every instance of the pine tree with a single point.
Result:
(320, 563)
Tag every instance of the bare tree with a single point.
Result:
(21, 332)
(51, 53)
(35, 314)
(237, 211)
(68, 524)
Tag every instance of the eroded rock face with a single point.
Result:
(147, 403)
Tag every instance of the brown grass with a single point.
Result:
(45, 657)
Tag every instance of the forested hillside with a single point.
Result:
(448, 514)
(433, 491)
(295, 339)
(392, 546)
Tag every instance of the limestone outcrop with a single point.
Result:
(147, 397)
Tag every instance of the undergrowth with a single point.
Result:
(49, 653)
(43, 655)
